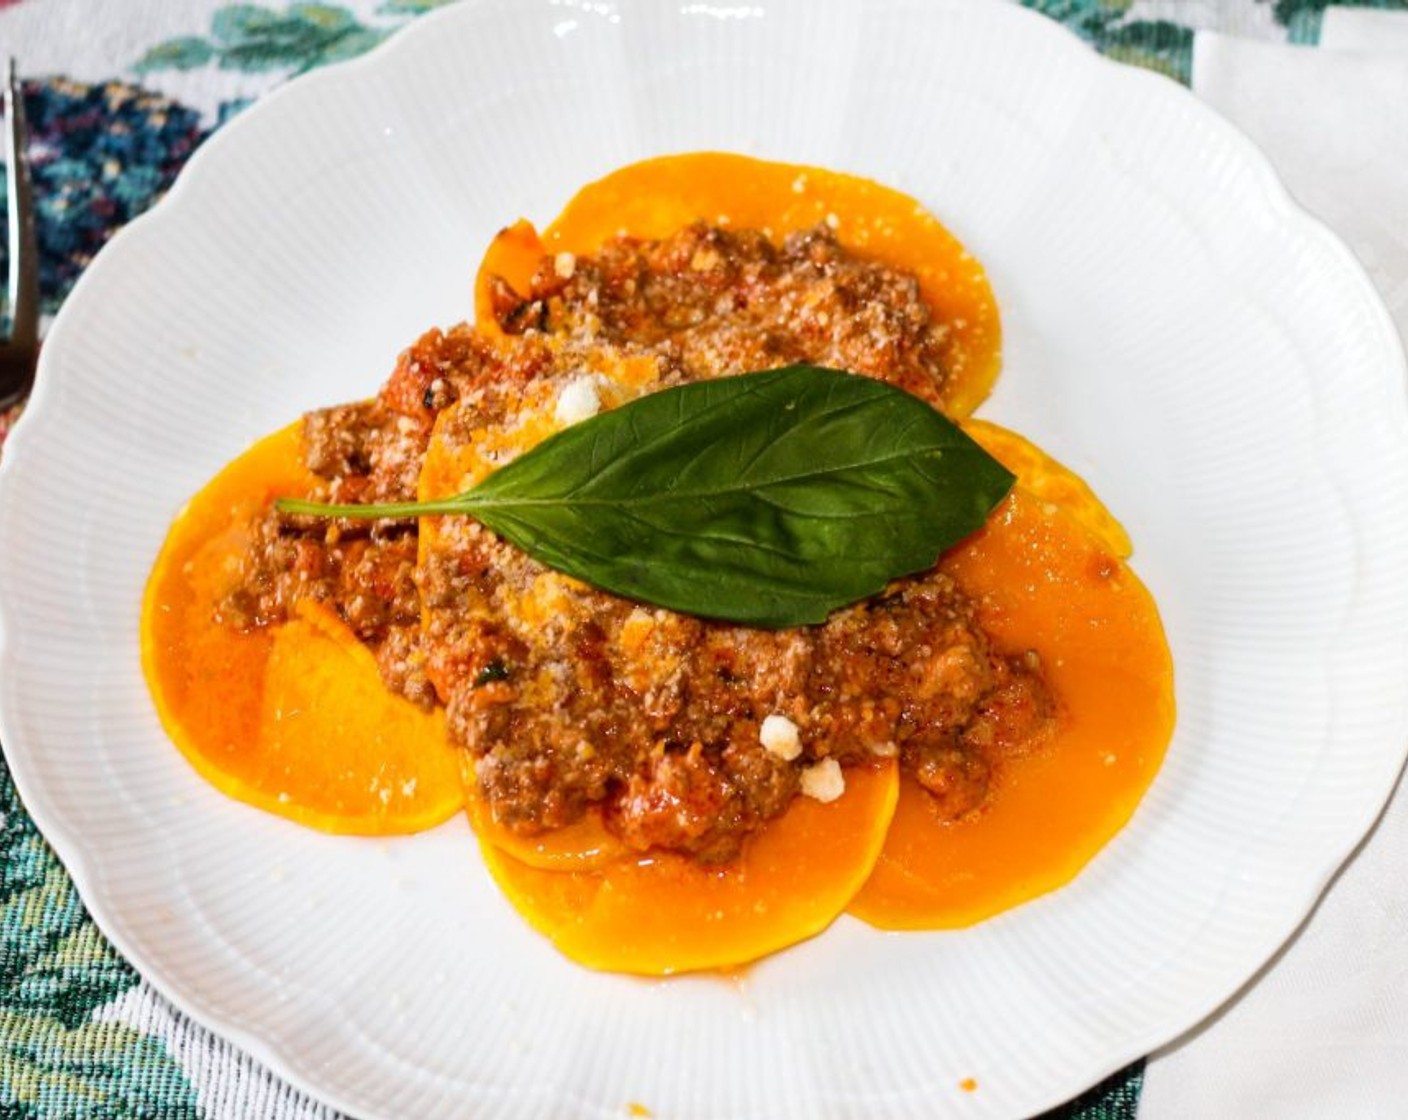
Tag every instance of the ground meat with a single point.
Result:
(710, 302)
(567, 697)
(370, 451)
(657, 716)
(369, 578)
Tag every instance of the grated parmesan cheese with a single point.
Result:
(579, 400)
(824, 781)
(779, 736)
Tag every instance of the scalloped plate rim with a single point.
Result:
(90, 878)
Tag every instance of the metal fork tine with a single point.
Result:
(24, 250)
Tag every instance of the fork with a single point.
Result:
(20, 350)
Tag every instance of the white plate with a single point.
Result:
(1210, 359)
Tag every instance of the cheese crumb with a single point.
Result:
(578, 400)
(564, 264)
(824, 781)
(778, 734)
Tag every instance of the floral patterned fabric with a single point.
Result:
(118, 97)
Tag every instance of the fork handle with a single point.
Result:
(24, 248)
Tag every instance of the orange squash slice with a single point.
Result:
(585, 845)
(658, 197)
(295, 719)
(665, 913)
(1048, 575)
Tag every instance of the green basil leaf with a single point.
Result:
(768, 498)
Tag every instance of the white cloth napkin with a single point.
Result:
(1323, 1030)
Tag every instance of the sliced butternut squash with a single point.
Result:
(1048, 576)
(513, 257)
(657, 197)
(585, 845)
(294, 719)
(665, 913)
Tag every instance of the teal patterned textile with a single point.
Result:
(82, 1037)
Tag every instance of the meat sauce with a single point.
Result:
(566, 697)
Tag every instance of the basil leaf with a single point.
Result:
(768, 498)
